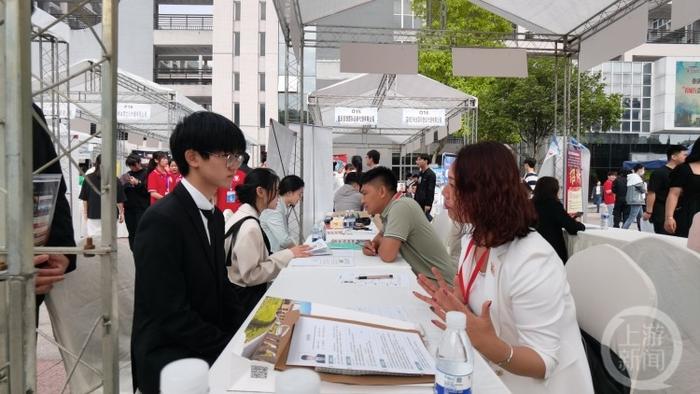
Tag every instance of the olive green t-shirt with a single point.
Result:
(404, 220)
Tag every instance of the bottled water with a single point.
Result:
(316, 233)
(454, 362)
(604, 217)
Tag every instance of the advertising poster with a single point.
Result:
(574, 184)
(687, 109)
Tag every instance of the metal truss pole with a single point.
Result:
(110, 316)
(18, 160)
(4, 317)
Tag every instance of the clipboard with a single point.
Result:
(369, 380)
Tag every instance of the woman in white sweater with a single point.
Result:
(511, 283)
(252, 265)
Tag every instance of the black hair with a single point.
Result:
(290, 184)
(246, 158)
(349, 167)
(98, 162)
(259, 177)
(426, 157)
(530, 162)
(352, 177)
(694, 152)
(674, 150)
(133, 159)
(612, 172)
(382, 175)
(357, 163)
(205, 132)
(546, 188)
(638, 167)
(374, 155)
(155, 160)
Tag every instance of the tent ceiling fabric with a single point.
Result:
(546, 16)
(312, 10)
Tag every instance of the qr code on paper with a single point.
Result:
(258, 372)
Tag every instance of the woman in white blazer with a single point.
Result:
(511, 283)
(252, 264)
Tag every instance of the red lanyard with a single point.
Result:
(480, 264)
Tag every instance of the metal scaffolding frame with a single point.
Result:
(17, 296)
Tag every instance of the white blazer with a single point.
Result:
(532, 306)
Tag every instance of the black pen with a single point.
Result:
(389, 276)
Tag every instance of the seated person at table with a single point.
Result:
(248, 252)
(552, 217)
(274, 221)
(184, 305)
(405, 227)
(348, 196)
(510, 284)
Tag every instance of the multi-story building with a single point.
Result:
(245, 72)
(182, 47)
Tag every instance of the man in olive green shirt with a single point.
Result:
(406, 229)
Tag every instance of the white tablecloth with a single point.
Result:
(320, 285)
(613, 236)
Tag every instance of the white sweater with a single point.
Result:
(250, 263)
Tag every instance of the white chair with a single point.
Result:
(675, 272)
(605, 282)
(694, 234)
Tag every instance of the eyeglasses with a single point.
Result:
(231, 158)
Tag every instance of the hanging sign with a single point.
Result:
(128, 112)
(356, 116)
(423, 117)
(574, 183)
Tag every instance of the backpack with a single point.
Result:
(233, 232)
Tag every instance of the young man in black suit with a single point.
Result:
(184, 303)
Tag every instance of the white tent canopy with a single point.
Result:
(390, 94)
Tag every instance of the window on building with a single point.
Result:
(261, 78)
(236, 10)
(236, 43)
(236, 82)
(237, 113)
(263, 122)
(263, 12)
(262, 43)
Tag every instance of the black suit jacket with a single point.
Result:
(552, 217)
(184, 304)
(425, 191)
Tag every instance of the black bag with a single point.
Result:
(233, 232)
(603, 381)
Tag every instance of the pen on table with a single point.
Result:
(389, 276)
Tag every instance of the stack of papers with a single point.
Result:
(319, 248)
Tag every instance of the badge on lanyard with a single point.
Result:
(230, 197)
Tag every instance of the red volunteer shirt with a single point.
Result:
(158, 182)
(226, 198)
(608, 195)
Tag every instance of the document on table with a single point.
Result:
(395, 279)
(323, 261)
(355, 349)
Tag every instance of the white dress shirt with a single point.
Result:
(201, 201)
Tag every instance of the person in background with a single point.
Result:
(552, 217)
(244, 166)
(635, 194)
(137, 196)
(91, 198)
(338, 176)
(621, 209)
(251, 262)
(274, 222)
(405, 230)
(348, 197)
(683, 200)
(597, 196)
(357, 163)
(159, 177)
(175, 176)
(530, 178)
(183, 304)
(226, 196)
(263, 159)
(511, 284)
(425, 192)
(659, 185)
(608, 195)
(372, 159)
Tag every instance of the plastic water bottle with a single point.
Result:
(298, 381)
(454, 363)
(316, 233)
(186, 376)
(604, 217)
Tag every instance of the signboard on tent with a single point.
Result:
(687, 109)
(574, 181)
(356, 116)
(423, 117)
(129, 112)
